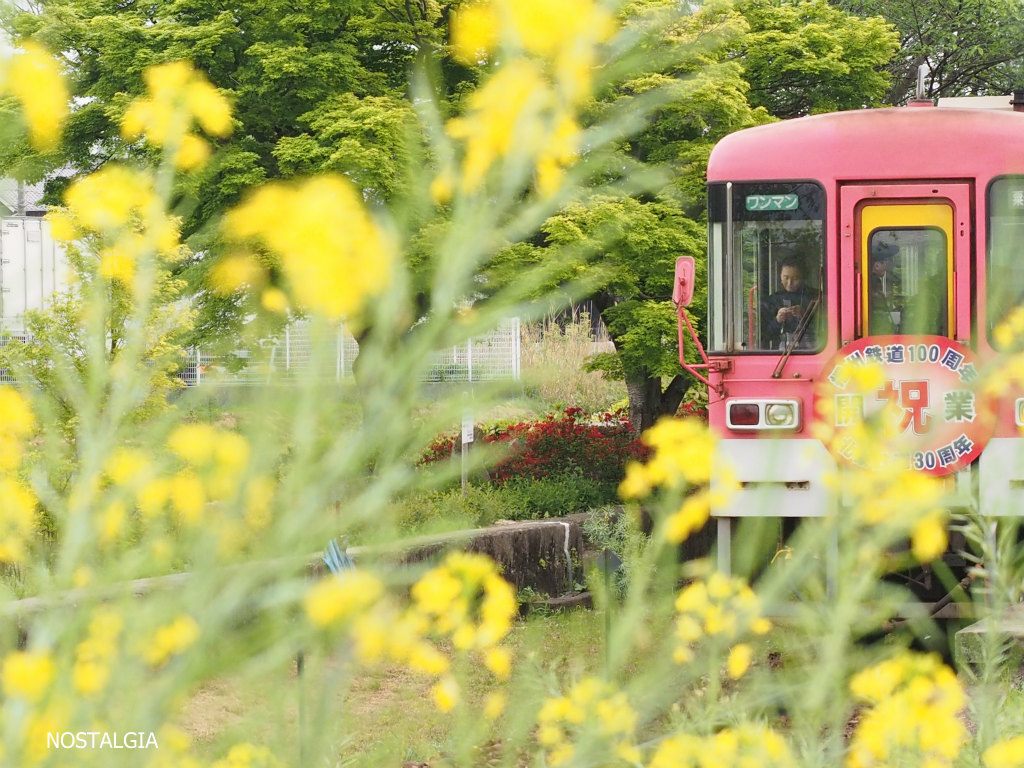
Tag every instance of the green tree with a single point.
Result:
(317, 88)
(718, 70)
(972, 47)
(807, 57)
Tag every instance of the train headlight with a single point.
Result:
(763, 414)
(1018, 411)
(780, 415)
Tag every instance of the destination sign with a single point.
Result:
(788, 202)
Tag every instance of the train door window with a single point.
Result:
(766, 257)
(906, 277)
(1005, 262)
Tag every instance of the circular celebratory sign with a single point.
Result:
(925, 386)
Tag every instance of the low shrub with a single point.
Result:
(528, 498)
(566, 462)
(568, 444)
(439, 511)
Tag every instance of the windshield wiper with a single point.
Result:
(797, 335)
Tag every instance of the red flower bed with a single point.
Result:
(572, 442)
(693, 411)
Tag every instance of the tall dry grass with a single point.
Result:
(553, 358)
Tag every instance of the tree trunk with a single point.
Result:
(647, 400)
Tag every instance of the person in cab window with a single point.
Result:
(782, 311)
(882, 314)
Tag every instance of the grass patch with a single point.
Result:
(381, 716)
(553, 355)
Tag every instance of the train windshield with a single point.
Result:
(1005, 251)
(765, 267)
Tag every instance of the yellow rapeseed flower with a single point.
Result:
(111, 522)
(95, 655)
(915, 711)
(739, 660)
(246, 755)
(235, 272)
(154, 495)
(549, 31)
(34, 79)
(274, 300)
(211, 109)
(719, 607)
(41, 721)
(62, 226)
(193, 442)
(17, 519)
(928, 538)
(187, 496)
(465, 598)
(117, 262)
(27, 674)
(343, 257)
(126, 466)
(110, 198)
(193, 153)
(475, 29)
(16, 417)
(342, 598)
(231, 451)
(499, 662)
(494, 704)
(426, 659)
(178, 97)
(171, 640)
(691, 517)
(89, 677)
(677, 751)
(509, 111)
(590, 702)
(1008, 753)
(445, 694)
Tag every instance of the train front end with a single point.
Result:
(860, 242)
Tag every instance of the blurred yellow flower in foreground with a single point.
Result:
(592, 710)
(171, 640)
(334, 600)
(177, 98)
(682, 456)
(549, 30)
(466, 598)
(1008, 753)
(33, 78)
(527, 110)
(121, 206)
(333, 252)
(111, 198)
(17, 422)
(27, 674)
(246, 755)
(743, 745)
(915, 702)
(17, 519)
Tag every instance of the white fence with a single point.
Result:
(494, 356)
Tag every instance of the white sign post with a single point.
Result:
(467, 438)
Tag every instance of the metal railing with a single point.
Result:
(290, 356)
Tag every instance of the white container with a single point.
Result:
(32, 268)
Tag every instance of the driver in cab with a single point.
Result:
(782, 311)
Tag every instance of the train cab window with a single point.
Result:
(1005, 272)
(765, 267)
(907, 281)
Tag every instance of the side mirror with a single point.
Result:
(682, 289)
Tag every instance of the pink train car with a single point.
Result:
(894, 235)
